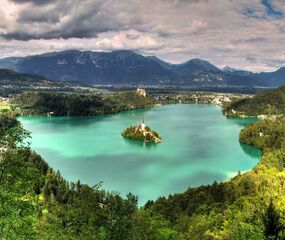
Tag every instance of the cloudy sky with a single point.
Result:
(245, 34)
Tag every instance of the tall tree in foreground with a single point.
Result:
(273, 226)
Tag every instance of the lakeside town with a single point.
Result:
(194, 97)
(200, 97)
(161, 98)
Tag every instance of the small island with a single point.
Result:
(141, 133)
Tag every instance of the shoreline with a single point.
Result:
(226, 180)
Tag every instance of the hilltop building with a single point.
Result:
(141, 91)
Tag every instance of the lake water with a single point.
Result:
(199, 146)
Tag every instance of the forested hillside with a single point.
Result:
(39, 103)
(267, 103)
(9, 77)
(250, 206)
(37, 203)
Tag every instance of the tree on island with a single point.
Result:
(141, 133)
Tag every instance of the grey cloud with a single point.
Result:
(175, 30)
(87, 19)
(281, 28)
(17, 35)
(251, 59)
(35, 2)
(132, 36)
(253, 40)
(68, 19)
(38, 15)
(222, 50)
(274, 63)
(187, 1)
(3, 21)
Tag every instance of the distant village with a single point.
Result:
(200, 97)
(194, 97)
(162, 98)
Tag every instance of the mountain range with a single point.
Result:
(127, 68)
(10, 78)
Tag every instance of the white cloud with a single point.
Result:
(226, 32)
(131, 39)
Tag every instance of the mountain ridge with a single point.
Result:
(10, 77)
(126, 67)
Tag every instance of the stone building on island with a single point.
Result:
(141, 91)
(141, 127)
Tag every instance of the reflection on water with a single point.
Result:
(243, 122)
(250, 151)
(199, 146)
(140, 144)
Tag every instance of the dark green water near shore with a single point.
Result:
(199, 146)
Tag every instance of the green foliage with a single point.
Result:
(39, 103)
(37, 203)
(135, 133)
(265, 135)
(7, 121)
(267, 103)
(9, 77)
(272, 222)
(235, 209)
(151, 226)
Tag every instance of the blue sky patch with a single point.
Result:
(270, 9)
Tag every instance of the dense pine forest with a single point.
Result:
(37, 203)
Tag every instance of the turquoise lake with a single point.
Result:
(199, 146)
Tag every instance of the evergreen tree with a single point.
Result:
(272, 222)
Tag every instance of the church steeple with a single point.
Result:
(142, 125)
